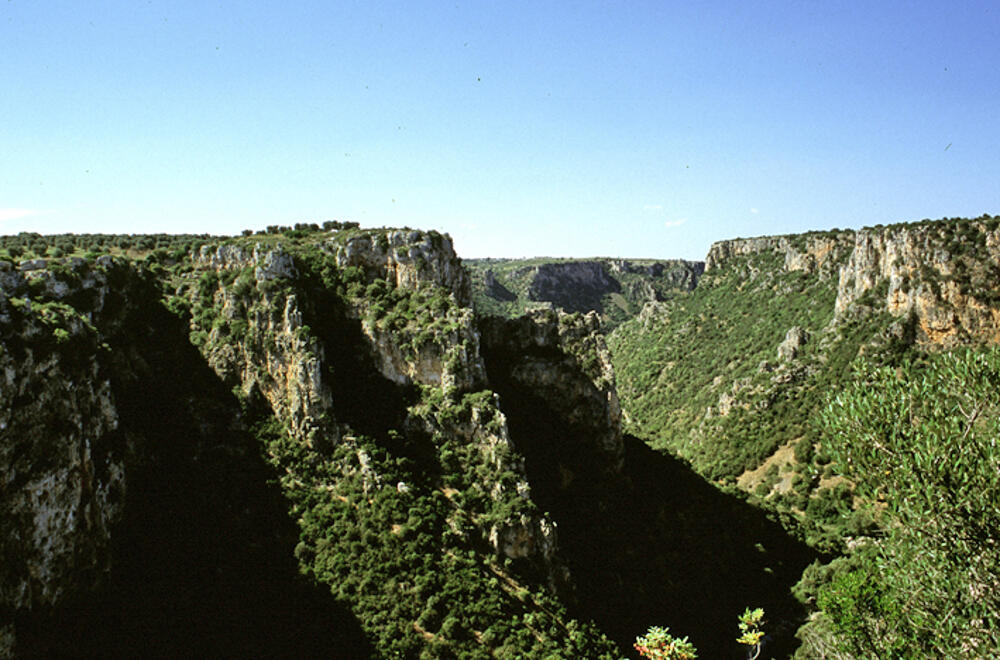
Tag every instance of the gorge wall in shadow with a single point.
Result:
(202, 564)
(654, 544)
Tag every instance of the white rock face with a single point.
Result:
(811, 253)
(525, 537)
(407, 258)
(914, 262)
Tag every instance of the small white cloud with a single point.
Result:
(13, 214)
(652, 207)
(754, 211)
(675, 223)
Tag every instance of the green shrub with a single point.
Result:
(920, 442)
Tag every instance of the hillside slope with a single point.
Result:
(730, 375)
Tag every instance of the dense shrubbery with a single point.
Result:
(718, 343)
(920, 443)
(408, 559)
(29, 245)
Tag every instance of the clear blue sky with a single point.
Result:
(643, 129)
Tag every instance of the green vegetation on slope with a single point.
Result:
(730, 375)
(920, 443)
(694, 371)
(899, 473)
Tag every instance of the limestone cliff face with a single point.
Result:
(652, 278)
(680, 274)
(424, 261)
(62, 466)
(943, 275)
(563, 282)
(275, 356)
(406, 257)
(452, 363)
(287, 361)
(818, 253)
(553, 373)
(562, 361)
(281, 357)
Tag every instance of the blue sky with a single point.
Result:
(642, 129)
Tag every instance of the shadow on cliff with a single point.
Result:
(202, 564)
(655, 544)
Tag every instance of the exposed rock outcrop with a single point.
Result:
(945, 275)
(283, 359)
(942, 272)
(561, 360)
(274, 356)
(811, 253)
(795, 339)
(63, 459)
(566, 283)
(405, 257)
(281, 356)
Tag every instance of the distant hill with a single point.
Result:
(616, 289)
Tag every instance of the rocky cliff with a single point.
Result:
(71, 331)
(818, 252)
(284, 359)
(63, 458)
(562, 360)
(352, 359)
(615, 288)
(943, 273)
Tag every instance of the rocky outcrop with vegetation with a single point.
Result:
(943, 274)
(63, 459)
(562, 360)
(614, 288)
(727, 375)
(352, 360)
(732, 376)
(814, 252)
